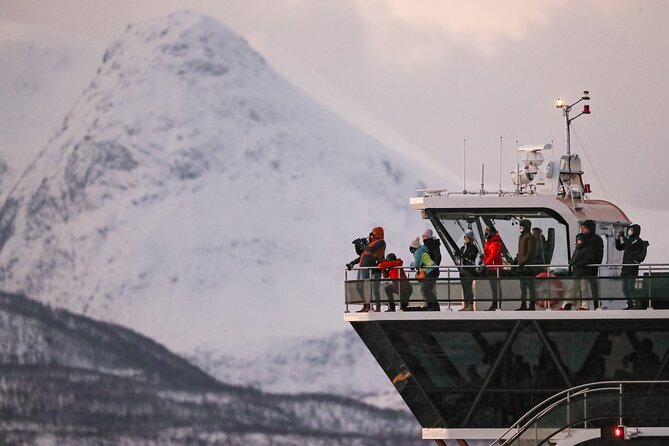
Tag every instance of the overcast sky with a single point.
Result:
(431, 73)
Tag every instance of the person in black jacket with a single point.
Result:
(579, 291)
(634, 252)
(597, 244)
(466, 256)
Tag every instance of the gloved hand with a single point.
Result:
(349, 265)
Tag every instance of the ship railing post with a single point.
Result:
(620, 405)
(650, 287)
(346, 290)
(448, 283)
(585, 410)
(569, 414)
(548, 298)
(371, 288)
(498, 286)
(399, 287)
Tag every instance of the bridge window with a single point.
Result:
(452, 226)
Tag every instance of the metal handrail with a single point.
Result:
(642, 266)
(533, 415)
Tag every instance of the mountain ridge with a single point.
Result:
(76, 381)
(183, 190)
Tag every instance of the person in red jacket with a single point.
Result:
(391, 269)
(492, 261)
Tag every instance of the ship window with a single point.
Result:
(453, 224)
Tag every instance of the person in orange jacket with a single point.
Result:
(392, 269)
(371, 253)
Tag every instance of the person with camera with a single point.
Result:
(371, 252)
(634, 252)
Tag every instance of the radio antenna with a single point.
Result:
(500, 165)
(464, 166)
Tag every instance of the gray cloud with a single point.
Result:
(436, 75)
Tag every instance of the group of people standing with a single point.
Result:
(532, 251)
(426, 253)
(589, 252)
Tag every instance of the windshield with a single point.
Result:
(453, 224)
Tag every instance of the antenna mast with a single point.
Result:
(500, 166)
(464, 166)
(566, 109)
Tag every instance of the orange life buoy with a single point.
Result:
(550, 293)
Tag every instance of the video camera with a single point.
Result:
(360, 244)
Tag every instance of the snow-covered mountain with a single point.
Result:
(339, 364)
(43, 73)
(196, 196)
(67, 379)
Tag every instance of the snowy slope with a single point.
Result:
(338, 364)
(67, 379)
(43, 73)
(197, 197)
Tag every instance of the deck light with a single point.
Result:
(614, 432)
(559, 103)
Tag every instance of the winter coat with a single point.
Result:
(539, 250)
(526, 248)
(634, 252)
(371, 254)
(391, 269)
(597, 245)
(492, 251)
(423, 261)
(580, 259)
(467, 257)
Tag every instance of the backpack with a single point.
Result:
(644, 250)
(432, 246)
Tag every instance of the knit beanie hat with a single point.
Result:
(470, 235)
(427, 234)
(415, 243)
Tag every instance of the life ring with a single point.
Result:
(550, 293)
